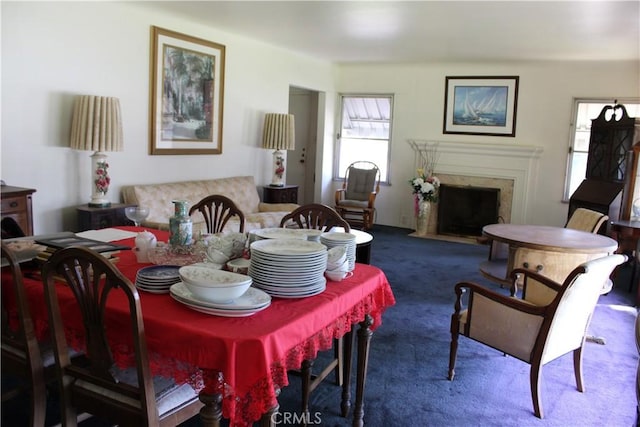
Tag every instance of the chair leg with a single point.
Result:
(305, 372)
(577, 368)
(453, 351)
(38, 403)
(536, 372)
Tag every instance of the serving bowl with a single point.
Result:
(212, 285)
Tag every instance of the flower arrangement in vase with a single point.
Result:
(425, 188)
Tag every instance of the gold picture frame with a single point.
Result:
(187, 93)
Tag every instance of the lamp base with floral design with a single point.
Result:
(422, 218)
(278, 169)
(100, 180)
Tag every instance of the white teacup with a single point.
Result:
(334, 275)
(217, 257)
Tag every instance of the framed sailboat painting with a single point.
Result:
(479, 105)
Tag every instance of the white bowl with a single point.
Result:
(214, 285)
(344, 266)
(336, 255)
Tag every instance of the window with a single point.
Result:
(365, 132)
(586, 110)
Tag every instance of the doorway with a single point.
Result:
(303, 104)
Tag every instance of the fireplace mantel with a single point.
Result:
(484, 160)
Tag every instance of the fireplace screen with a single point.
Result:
(464, 210)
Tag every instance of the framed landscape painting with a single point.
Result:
(481, 105)
(187, 92)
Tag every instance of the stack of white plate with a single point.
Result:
(288, 268)
(157, 279)
(336, 238)
(279, 233)
(251, 302)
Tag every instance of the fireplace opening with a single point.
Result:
(463, 210)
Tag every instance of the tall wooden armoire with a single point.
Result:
(612, 164)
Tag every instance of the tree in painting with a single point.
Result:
(187, 95)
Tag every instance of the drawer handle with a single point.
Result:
(13, 204)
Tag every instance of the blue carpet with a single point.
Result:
(407, 378)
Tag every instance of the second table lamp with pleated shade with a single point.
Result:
(97, 127)
(278, 135)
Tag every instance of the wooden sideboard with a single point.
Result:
(16, 204)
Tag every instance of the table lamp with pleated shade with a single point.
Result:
(97, 127)
(278, 135)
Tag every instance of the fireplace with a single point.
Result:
(463, 209)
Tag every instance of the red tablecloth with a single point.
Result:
(252, 354)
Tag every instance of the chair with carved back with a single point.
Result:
(356, 200)
(22, 355)
(528, 330)
(93, 382)
(217, 210)
(316, 216)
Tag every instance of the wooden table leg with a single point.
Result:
(345, 405)
(270, 419)
(211, 412)
(364, 339)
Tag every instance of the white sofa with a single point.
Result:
(241, 189)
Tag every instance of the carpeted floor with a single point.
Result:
(407, 383)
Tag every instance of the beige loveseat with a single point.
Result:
(241, 189)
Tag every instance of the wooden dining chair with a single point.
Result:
(217, 210)
(520, 326)
(22, 355)
(93, 382)
(316, 216)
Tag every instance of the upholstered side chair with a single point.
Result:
(355, 201)
(535, 334)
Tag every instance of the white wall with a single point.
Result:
(52, 51)
(545, 100)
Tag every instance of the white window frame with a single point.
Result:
(340, 164)
(575, 171)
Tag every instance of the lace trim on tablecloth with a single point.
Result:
(244, 410)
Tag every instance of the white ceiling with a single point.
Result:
(422, 31)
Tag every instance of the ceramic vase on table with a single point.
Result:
(180, 225)
(422, 218)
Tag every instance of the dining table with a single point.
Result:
(239, 364)
(552, 251)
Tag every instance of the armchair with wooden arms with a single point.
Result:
(93, 382)
(217, 210)
(355, 201)
(528, 328)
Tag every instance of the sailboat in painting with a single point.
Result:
(481, 106)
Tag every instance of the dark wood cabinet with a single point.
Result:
(90, 218)
(284, 194)
(16, 204)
